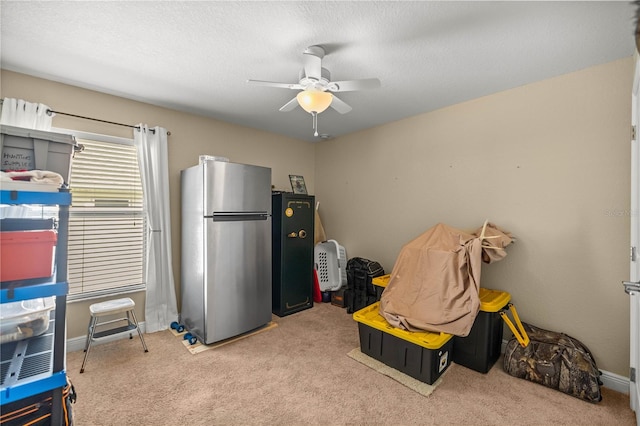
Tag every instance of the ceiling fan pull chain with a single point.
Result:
(315, 123)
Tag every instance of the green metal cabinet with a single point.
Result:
(292, 254)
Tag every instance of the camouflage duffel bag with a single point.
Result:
(554, 360)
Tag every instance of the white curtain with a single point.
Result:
(20, 113)
(161, 307)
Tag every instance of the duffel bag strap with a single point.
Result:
(519, 333)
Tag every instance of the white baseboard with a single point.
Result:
(615, 382)
(610, 380)
(77, 343)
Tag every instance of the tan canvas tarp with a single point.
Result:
(435, 282)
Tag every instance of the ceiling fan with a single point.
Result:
(316, 88)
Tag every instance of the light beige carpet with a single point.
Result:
(421, 387)
(298, 373)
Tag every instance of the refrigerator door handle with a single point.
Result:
(238, 216)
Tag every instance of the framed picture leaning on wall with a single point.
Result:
(297, 184)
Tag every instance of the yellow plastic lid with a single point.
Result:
(381, 281)
(493, 300)
(370, 316)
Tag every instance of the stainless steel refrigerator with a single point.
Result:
(226, 249)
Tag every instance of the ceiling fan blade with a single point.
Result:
(340, 105)
(294, 86)
(351, 85)
(290, 106)
(313, 62)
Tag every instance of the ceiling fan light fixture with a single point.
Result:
(314, 100)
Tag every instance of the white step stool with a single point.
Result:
(110, 308)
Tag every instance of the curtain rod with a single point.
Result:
(50, 111)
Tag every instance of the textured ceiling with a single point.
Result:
(196, 56)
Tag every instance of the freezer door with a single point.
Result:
(233, 187)
(237, 276)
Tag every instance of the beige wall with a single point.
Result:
(191, 135)
(548, 161)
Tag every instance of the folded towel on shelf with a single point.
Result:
(38, 176)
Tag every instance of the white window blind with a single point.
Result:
(107, 237)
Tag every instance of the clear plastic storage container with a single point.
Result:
(24, 319)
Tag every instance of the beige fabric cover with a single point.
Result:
(494, 242)
(435, 282)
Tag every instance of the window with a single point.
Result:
(107, 238)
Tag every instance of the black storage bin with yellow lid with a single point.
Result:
(380, 283)
(422, 355)
(481, 348)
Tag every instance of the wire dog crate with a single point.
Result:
(331, 264)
